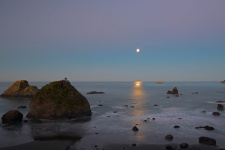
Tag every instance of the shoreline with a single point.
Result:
(69, 145)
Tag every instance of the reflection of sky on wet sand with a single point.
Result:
(139, 100)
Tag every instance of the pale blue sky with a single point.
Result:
(86, 40)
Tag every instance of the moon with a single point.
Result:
(137, 50)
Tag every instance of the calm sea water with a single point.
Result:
(124, 105)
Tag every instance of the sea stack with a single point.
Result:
(174, 91)
(20, 88)
(58, 100)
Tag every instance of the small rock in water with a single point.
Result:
(135, 128)
(134, 145)
(184, 145)
(220, 107)
(176, 126)
(169, 137)
(207, 140)
(153, 118)
(208, 128)
(216, 113)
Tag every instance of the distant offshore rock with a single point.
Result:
(58, 100)
(223, 81)
(95, 92)
(20, 88)
(174, 91)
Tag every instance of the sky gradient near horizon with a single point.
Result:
(86, 40)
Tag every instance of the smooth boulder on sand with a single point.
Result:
(58, 100)
(20, 88)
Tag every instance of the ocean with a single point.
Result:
(122, 106)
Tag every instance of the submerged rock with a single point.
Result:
(12, 116)
(174, 91)
(20, 88)
(205, 127)
(58, 100)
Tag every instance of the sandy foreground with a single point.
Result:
(68, 145)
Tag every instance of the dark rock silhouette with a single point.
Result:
(58, 100)
(220, 107)
(174, 91)
(215, 113)
(184, 145)
(207, 140)
(20, 88)
(135, 128)
(205, 127)
(169, 137)
(12, 116)
(21, 107)
(95, 92)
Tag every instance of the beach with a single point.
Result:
(114, 113)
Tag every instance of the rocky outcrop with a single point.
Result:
(220, 107)
(223, 81)
(174, 91)
(12, 116)
(20, 88)
(95, 92)
(215, 113)
(58, 100)
(135, 128)
(207, 140)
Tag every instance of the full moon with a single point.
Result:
(137, 50)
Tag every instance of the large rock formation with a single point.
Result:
(20, 88)
(12, 116)
(58, 100)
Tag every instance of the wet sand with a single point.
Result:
(67, 145)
